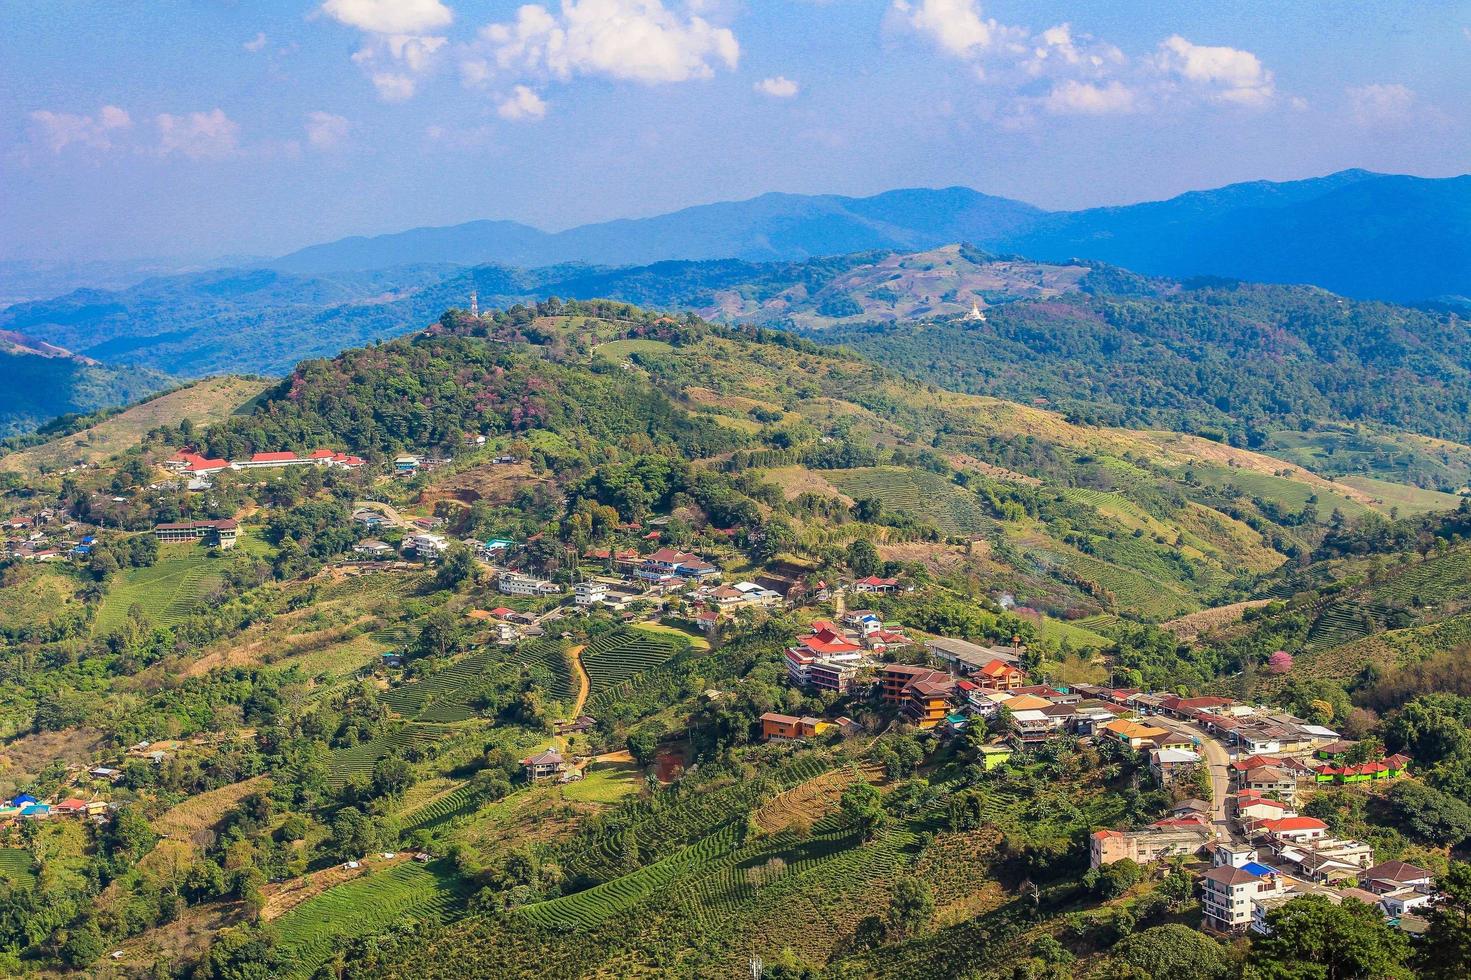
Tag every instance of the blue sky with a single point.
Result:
(199, 128)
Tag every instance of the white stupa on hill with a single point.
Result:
(975, 313)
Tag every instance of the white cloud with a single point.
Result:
(1058, 49)
(390, 16)
(1376, 105)
(111, 117)
(522, 104)
(1072, 97)
(198, 135)
(256, 43)
(1223, 74)
(413, 50)
(1062, 71)
(956, 26)
(325, 130)
(778, 87)
(396, 62)
(58, 130)
(394, 86)
(639, 40)
(397, 50)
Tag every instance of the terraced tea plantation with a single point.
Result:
(1131, 589)
(1430, 581)
(921, 494)
(458, 801)
(16, 864)
(166, 591)
(624, 653)
(404, 894)
(358, 761)
(1343, 622)
(445, 697)
(547, 660)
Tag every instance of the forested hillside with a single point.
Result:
(43, 382)
(1237, 358)
(1233, 360)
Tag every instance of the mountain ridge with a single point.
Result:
(1356, 232)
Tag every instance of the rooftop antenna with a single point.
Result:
(474, 303)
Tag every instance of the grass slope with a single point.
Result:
(166, 592)
(408, 892)
(203, 403)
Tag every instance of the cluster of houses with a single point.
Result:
(833, 656)
(24, 806)
(1240, 891)
(1269, 853)
(43, 536)
(191, 464)
(1276, 855)
(970, 680)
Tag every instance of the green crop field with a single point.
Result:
(446, 695)
(695, 641)
(1289, 494)
(406, 893)
(16, 864)
(547, 660)
(664, 830)
(1429, 582)
(604, 782)
(1132, 589)
(166, 591)
(457, 802)
(357, 762)
(1374, 456)
(622, 654)
(1409, 500)
(338, 659)
(1079, 636)
(588, 908)
(926, 496)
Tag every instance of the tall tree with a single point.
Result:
(1313, 939)
(1445, 951)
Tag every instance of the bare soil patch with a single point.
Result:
(24, 757)
(1193, 625)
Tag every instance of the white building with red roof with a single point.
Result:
(826, 658)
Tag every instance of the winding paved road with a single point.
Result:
(1219, 761)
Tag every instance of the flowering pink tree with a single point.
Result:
(1280, 662)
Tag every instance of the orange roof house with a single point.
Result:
(1132, 733)
(998, 675)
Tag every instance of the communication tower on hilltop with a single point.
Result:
(975, 313)
(474, 303)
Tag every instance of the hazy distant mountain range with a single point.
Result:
(785, 260)
(1355, 232)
